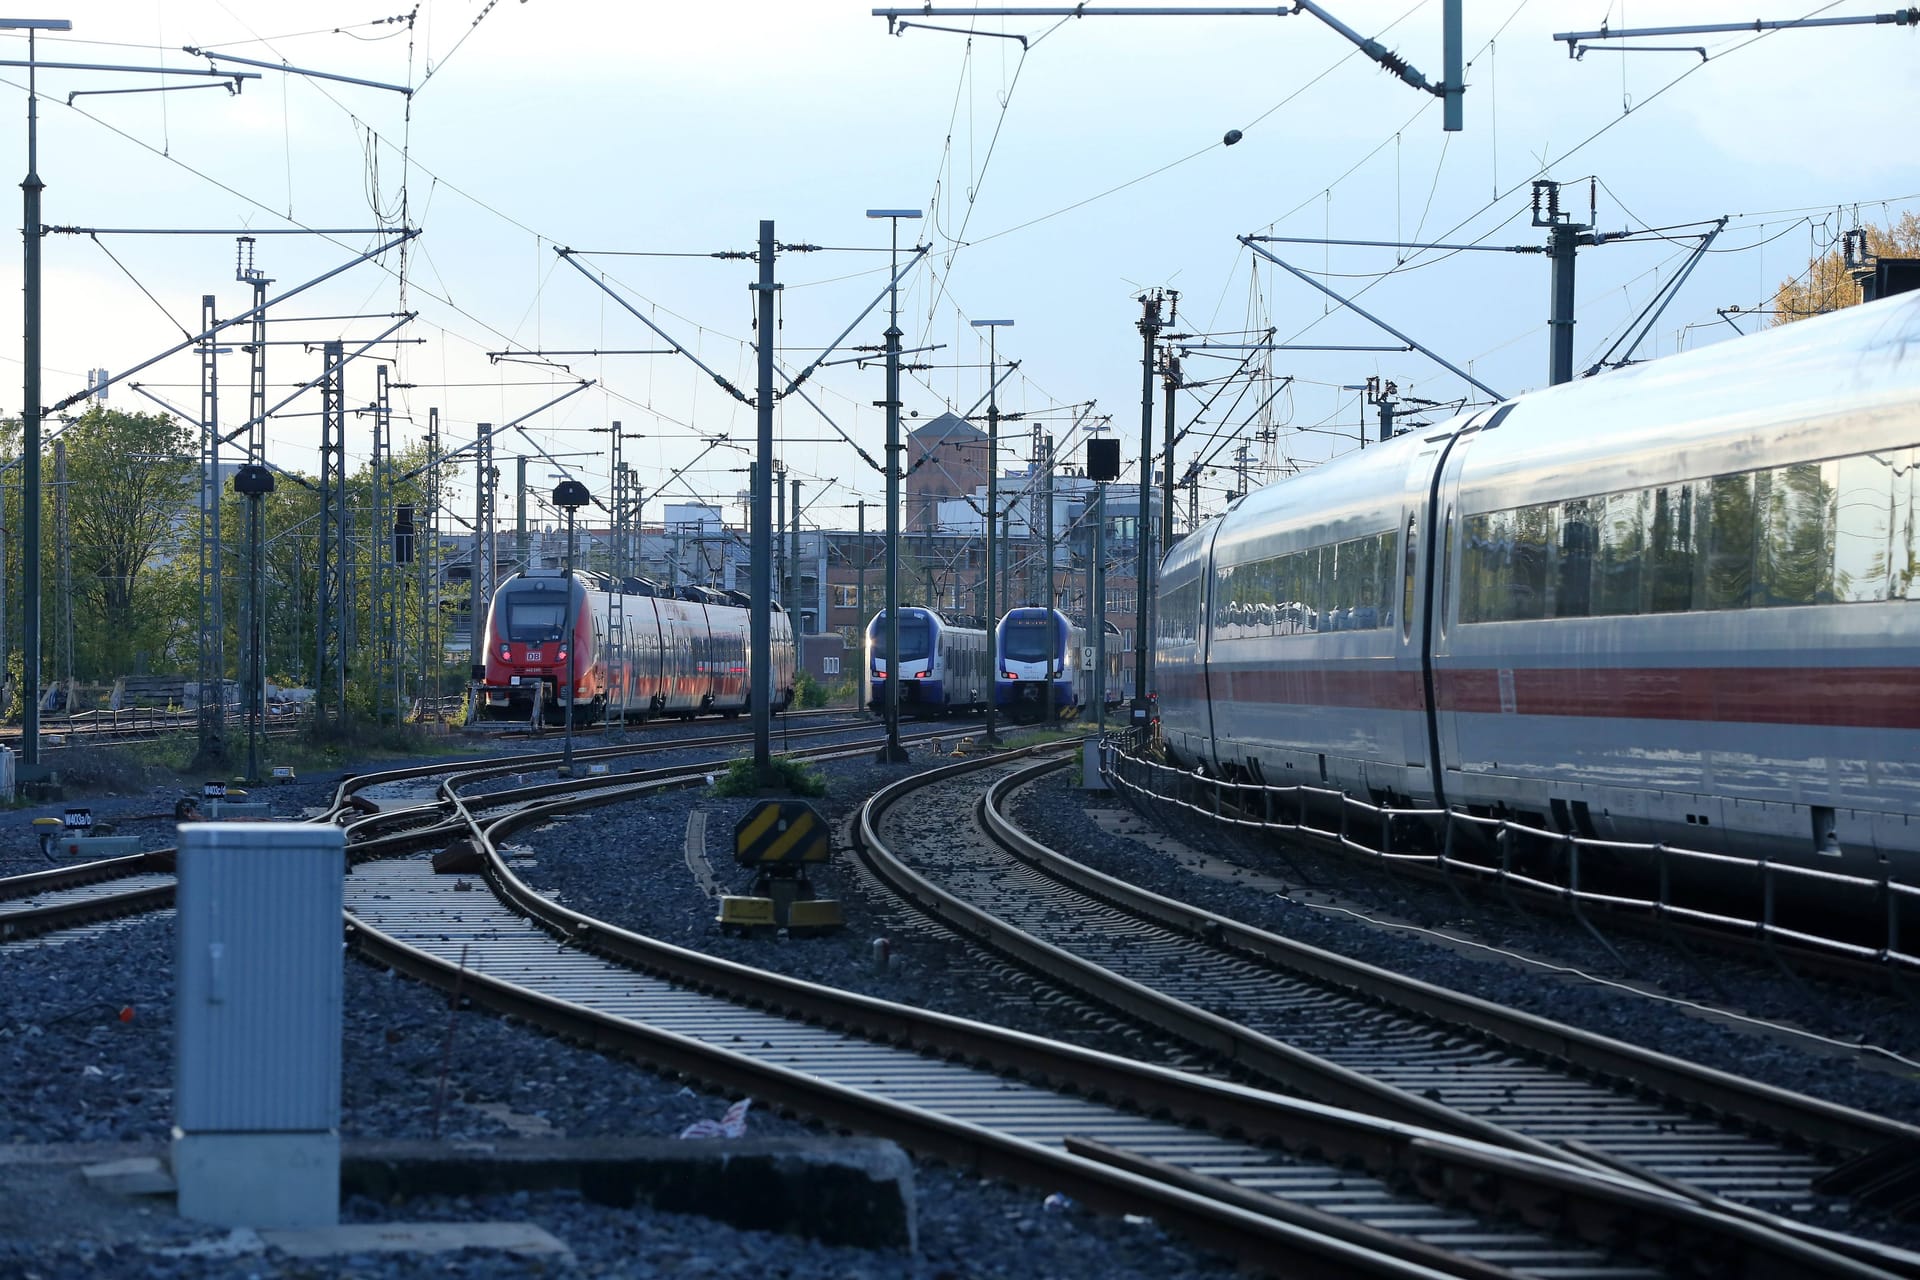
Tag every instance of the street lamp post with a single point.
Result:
(893, 752)
(30, 188)
(993, 500)
(570, 496)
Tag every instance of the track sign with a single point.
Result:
(781, 832)
(1103, 458)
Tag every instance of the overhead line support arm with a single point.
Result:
(571, 259)
(400, 238)
(1349, 303)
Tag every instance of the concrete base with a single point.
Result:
(1091, 778)
(521, 1238)
(258, 1179)
(97, 846)
(134, 1176)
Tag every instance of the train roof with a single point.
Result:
(1824, 387)
(635, 585)
(963, 621)
(1817, 388)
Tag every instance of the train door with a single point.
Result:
(649, 644)
(1439, 572)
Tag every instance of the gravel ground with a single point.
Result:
(86, 1052)
(1320, 900)
(65, 1038)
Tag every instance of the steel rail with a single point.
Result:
(1603, 1205)
(1809, 1119)
(1818, 1123)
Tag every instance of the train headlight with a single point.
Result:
(561, 654)
(506, 651)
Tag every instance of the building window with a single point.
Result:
(830, 666)
(845, 597)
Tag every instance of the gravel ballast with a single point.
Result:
(86, 1054)
(63, 1037)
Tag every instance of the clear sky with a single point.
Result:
(1061, 180)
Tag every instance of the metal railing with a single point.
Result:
(1435, 838)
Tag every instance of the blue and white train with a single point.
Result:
(1033, 644)
(945, 663)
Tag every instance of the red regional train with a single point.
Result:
(635, 653)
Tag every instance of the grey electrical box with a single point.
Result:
(257, 1023)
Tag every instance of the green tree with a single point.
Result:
(130, 496)
(1828, 284)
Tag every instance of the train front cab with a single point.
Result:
(528, 650)
(1031, 643)
(921, 688)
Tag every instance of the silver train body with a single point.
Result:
(1678, 602)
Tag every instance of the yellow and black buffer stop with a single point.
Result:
(780, 833)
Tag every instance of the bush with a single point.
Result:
(784, 773)
(808, 693)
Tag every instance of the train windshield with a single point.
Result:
(1028, 639)
(532, 620)
(916, 638)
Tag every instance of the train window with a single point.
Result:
(1669, 563)
(1620, 529)
(1573, 568)
(1446, 571)
(1408, 574)
(1872, 549)
(1794, 550)
(531, 621)
(1727, 535)
(1809, 533)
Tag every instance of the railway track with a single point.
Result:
(1288, 1016)
(1105, 1130)
(1320, 1192)
(59, 899)
(1832, 949)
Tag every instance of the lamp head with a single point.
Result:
(894, 213)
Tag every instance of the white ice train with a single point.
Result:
(1678, 602)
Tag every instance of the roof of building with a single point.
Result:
(948, 426)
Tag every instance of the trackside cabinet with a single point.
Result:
(256, 1138)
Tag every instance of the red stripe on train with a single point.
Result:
(1846, 697)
